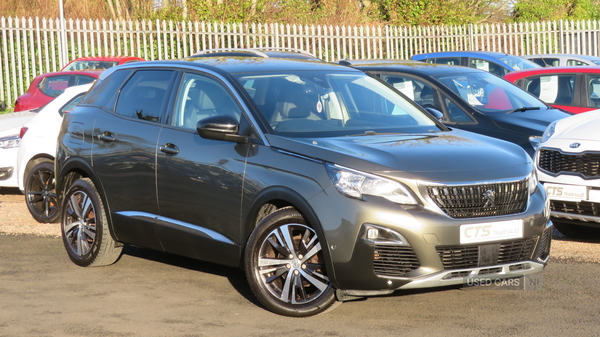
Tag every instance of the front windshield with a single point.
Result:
(90, 65)
(518, 63)
(489, 94)
(323, 104)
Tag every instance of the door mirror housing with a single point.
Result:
(220, 127)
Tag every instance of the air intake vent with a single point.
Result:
(394, 260)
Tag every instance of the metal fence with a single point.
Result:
(33, 46)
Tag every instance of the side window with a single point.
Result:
(71, 104)
(53, 86)
(453, 61)
(550, 62)
(200, 97)
(575, 63)
(539, 61)
(420, 92)
(552, 89)
(593, 91)
(488, 66)
(145, 95)
(454, 113)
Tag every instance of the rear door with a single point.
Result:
(124, 154)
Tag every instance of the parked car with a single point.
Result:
(469, 99)
(35, 156)
(46, 87)
(498, 64)
(99, 62)
(10, 126)
(320, 181)
(563, 60)
(568, 163)
(573, 89)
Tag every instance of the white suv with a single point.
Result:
(35, 158)
(568, 163)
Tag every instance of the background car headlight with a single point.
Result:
(533, 181)
(355, 184)
(549, 132)
(10, 142)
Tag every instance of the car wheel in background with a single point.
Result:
(40, 193)
(84, 227)
(285, 267)
(576, 231)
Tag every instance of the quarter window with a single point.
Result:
(593, 91)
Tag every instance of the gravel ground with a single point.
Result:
(15, 219)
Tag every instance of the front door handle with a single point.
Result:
(107, 136)
(169, 149)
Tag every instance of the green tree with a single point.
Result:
(547, 10)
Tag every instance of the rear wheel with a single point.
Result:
(40, 193)
(84, 227)
(285, 267)
(577, 232)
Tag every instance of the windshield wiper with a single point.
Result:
(525, 108)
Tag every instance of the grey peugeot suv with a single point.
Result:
(318, 180)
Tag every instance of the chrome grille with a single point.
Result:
(575, 207)
(394, 260)
(473, 201)
(586, 164)
(460, 257)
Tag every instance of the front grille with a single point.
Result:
(394, 260)
(461, 257)
(575, 207)
(473, 201)
(555, 162)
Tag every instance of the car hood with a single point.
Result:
(530, 122)
(13, 121)
(442, 157)
(582, 126)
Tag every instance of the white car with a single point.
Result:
(10, 126)
(568, 163)
(35, 159)
(562, 60)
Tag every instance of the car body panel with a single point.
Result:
(10, 127)
(563, 60)
(582, 89)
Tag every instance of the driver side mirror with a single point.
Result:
(437, 114)
(220, 127)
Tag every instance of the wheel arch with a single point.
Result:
(277, 197)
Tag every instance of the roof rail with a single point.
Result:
(255, 51)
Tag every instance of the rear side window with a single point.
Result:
(53, 86)
(106, 90)
(576, 63)
(553, 89)
(453, 61)
(145, 95)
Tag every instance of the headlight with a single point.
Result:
(10, 142)
(533, 181)
(549, 132)
(355, 184)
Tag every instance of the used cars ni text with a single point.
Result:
(318, 180)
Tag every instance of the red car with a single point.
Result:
(574, 89)
(44, 88)
(99, 62)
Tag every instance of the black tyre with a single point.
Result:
(577, 232)
(40, 193)
(285, 267)
(84, 227)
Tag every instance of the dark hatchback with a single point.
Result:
(321, 182)
(470, 99)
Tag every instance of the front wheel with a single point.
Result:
(40, 195)
(285, 267)
(84, 227)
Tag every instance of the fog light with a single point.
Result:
(382, 235)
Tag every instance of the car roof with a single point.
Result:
(515, 75)
(265, 52)
(414, 67)
(107, 58)
(94, 73)
(235, 64)
(463, 53)
(585, 57)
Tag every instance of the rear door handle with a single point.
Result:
(169, 149)
(107, 136)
